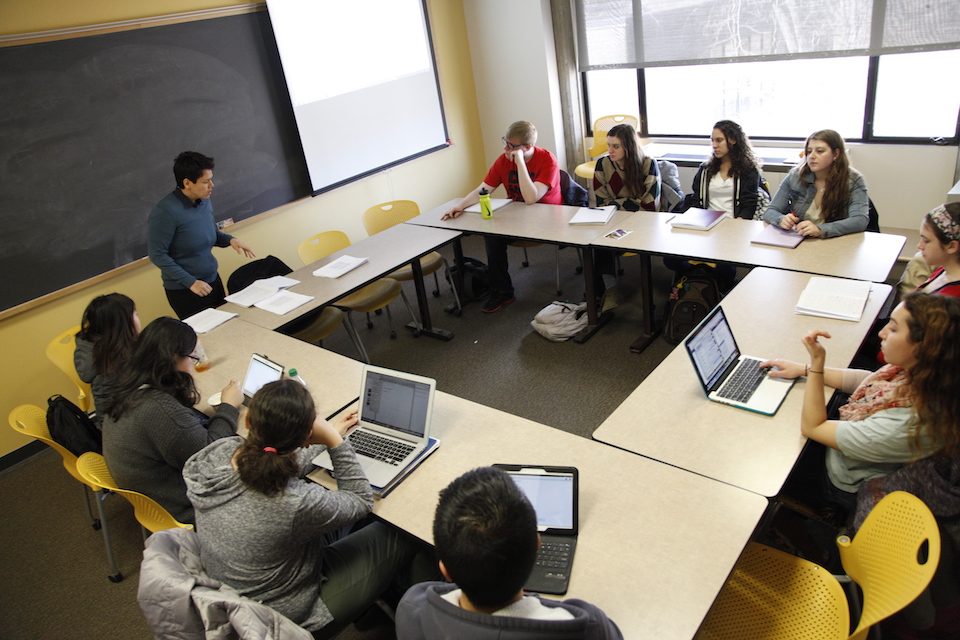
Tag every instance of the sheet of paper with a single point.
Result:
(340, 266)
(593, 215)
(283, 302)
(208, 319)
(280, 282)
(253, 294)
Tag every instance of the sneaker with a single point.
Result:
(611, 298)
(498, 300)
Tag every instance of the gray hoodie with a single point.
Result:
(270, 548)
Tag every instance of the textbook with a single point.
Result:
(699, 219)
(776, 236)
(593, 215)
(834, 298)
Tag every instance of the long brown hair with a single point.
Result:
(934, 326)
(108, 323)
(836, 195)
(742, 157)
(280, 418)
(633, 174)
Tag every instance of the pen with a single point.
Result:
(669, 219)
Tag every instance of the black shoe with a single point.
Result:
(497, 300)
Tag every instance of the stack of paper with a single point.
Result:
(593, 215)
(283, 302)
(261, 291)
(699, 219)
(340, 266)
(834, 298)
(208, 319)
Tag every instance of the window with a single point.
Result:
(913, 98)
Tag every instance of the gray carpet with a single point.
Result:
(53, 573)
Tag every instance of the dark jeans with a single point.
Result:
(498, 265)
(186, 303)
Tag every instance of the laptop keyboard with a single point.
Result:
(555, 555)
(379, 448)
(743, 381)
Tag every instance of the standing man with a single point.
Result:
(529, 174)
(180, 235)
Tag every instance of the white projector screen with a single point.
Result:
(363, 84)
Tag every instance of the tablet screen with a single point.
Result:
(552, 494)
(260, 372)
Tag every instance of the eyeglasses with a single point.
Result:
(195, 359)
(512, 146)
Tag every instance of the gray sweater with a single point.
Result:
(147, 447)
(87, 370)
(270, 548)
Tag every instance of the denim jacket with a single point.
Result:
(796, 194)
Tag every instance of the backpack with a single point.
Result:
(559, 321)
(476, 281)
(71, 428)
(694, 294)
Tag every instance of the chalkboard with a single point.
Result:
(89, 128)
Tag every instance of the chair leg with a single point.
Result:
(580, 258)
(453, 287)
(84, 493)
(355, 337)
(436, 284)
(559, 290)
(115, 575)
(369, 321)
(406, 302)
(526, 259)
(619, 266)
(393, 332)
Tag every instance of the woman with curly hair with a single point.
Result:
(729, 180)
(907, 410)
(823, 197)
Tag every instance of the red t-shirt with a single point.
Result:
(542, 168)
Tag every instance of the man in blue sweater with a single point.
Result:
(180, 235)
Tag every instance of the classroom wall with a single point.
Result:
(28, 377)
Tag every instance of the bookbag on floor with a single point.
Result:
(476, 281)
(559, 321)
(694, 294)
(71, 428)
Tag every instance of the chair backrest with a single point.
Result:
(31, 420)
(602, 126)
(892, 557)
(573, 194)
(322, 245)
(93, 468)
(245, 275)
(383, 216)
(60, 352)
(873, 218)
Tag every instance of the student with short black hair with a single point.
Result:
(485, 532)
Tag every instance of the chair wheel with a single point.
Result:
(393, 335)
(525, 263)
(559, 292)
(579, 270)
(96, 525)
(416, 334)
(436, 293)
(378, 312)
(369, 325)
(117, 577)
(458, 312)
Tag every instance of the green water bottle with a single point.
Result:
(485, 209)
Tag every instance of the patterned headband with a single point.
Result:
(945, 222)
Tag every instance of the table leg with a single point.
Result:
(650, 329)
(427, 328)
(594, 321)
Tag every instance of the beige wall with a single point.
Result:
(28, 377)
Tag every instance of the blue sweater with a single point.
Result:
(180, 236)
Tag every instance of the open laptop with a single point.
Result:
(726, 375)
(553, 492)
(394, 423)
(260, 371)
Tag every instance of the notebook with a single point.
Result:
(776, 236)
(554, 492)
(726, 375)
(394, 423)
(699, 219)
(260, 371)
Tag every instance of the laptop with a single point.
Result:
(553, 492)
(394, 423)
(260, 371)
(726, 375)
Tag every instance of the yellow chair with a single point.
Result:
(374, 296)
(31, 420)
(774, 595)
(383, 216)
(600, 129)
(151, 516)
(60, 352)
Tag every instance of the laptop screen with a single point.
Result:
(712, 348)
(553, 494)
(398, 403)
(260, 372)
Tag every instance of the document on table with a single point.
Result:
(775, 236)
(280, 282)
(834, 298)
(593, 215)
(260, 290)
(340, 266)
(208, 319)
(283, 302)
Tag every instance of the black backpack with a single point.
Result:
(694, 294)
(71, 428)
(476, 281)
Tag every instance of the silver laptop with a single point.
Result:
(260, 371)
(394, 423)
(554, 494)
(726, 375)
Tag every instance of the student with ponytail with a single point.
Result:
(262, 524)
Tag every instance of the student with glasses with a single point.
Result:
(529, 174)
(151, 425)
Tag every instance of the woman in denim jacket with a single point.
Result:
(824, 197)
